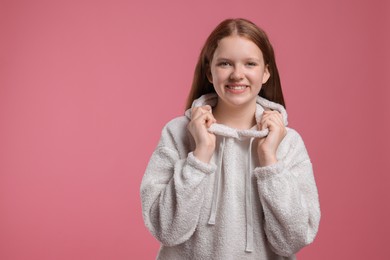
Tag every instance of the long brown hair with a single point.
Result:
(271, 90)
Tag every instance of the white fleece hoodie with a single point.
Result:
(229, 208)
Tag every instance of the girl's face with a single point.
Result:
(237, 71)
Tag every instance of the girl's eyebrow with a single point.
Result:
(222, 59)
(246, 59)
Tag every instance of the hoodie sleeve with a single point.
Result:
(289, 197)
(172, 189)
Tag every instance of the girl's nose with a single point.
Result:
(237, 74)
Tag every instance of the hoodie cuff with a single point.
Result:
(269, 171)
(207, 168)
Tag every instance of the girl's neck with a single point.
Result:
(242, 117)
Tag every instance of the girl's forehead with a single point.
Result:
(237, 46)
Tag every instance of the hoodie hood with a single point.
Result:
(262, 104)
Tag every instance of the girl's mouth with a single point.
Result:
(236, 89)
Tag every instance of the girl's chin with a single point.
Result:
(237, 101)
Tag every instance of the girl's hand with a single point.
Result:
(201, 120)
(267, 146)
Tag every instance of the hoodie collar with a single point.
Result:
(262, 104)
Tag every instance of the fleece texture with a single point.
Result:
(229, 208)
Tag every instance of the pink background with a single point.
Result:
(86, 86)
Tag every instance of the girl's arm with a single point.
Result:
(289, 197)
(173, 188)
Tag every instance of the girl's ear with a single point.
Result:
(266, 74)
(209, 75)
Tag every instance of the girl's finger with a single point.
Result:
(207, 107)
(263, 124)
(275, 116)
(209, 122)
(279, 118)
(204, 118)
(270, 122)
(197, 111)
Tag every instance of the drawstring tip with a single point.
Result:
(211, 222)
(249, 250)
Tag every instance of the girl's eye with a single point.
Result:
(252, 64)
(224, 64)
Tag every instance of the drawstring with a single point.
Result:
(248, 203)
(216, 184)
(248, 199)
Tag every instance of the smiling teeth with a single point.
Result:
(237, 87)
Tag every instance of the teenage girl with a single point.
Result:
(229, 179)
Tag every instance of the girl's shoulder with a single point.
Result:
(176, 137)
(175, 131)
(292, 148)
(177, 124)
(292, 138)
